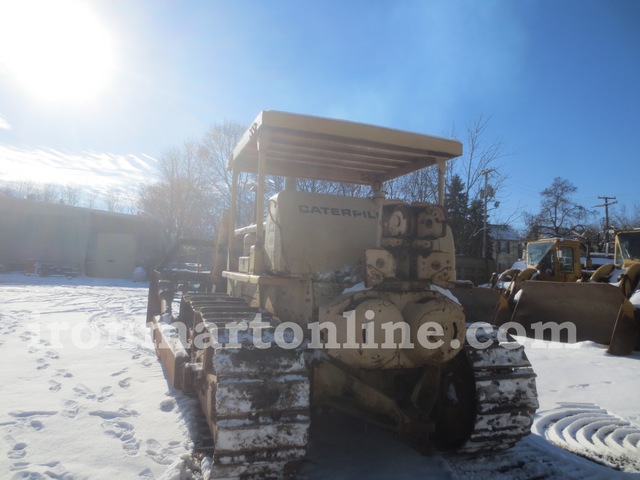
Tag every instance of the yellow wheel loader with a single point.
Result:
(336, 302)
(624, 272)
(549, 260)
(553, 298)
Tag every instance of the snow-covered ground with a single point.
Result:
(83, 397)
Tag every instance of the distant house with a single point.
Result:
(507, 246)
(90, 242)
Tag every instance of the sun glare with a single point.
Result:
(58, 51)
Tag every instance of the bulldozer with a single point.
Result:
(334, 302)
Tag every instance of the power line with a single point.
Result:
(606, 213)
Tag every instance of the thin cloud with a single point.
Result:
(96, 174)
(4, 123)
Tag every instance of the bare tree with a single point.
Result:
(112, 200)
(419, 186)
(49, 192)
(558, 214)
(623, 219)
(71, 195)
(479, 156)
(216, 148)
(182, 198)
(34, 191)
(90, 200)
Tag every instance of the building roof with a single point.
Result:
(504, 232)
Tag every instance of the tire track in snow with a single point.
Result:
(583, 432)
(530, 459)
(593, 433)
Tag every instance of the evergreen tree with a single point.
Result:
(456, 202)
(475, 232)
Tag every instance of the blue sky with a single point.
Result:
(559, 79)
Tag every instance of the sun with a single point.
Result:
(58, 51)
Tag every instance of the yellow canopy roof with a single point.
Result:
(304, 146)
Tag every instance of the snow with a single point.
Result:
(83, 394)
(84, 397)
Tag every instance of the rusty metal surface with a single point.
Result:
(481, 304)
(591, 308)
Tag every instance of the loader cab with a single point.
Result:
(556, 259)
(627, 248)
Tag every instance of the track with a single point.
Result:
(256, 400)
(490, 397)
(506, 396)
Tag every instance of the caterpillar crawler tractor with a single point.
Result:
(334, 301)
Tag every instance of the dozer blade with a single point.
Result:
(575, 312)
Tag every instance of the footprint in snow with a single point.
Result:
(125, 383)
(63, 373)
(37, 425)
(71, 409)
(42, 364)
(27, 335)
(54, 386)
(18, 451)
(41, 471)
(7, 327)
(110, 414)
(125, 432)
(32, 413)
(105, 393)
(84, 391)
(167, 405)
(52, 355)
(162, 456)
(17, 466)
(146, 474)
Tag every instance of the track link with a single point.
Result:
(505, 394)
(255, 400)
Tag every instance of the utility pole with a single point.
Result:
(485, 196)
(606, 217)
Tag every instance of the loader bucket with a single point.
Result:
(482, 304)
(576, 312)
